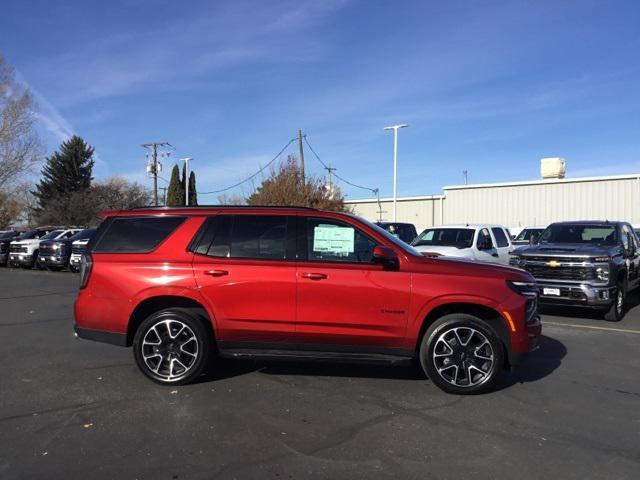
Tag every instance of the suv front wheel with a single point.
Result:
(461, 354)
(172, 347)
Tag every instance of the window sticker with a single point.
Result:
(333, 239)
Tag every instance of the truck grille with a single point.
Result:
(557, 259)
(78, 249)
(18, 249)
(47, 250)
(578, 274)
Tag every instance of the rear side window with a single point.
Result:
(136, 235)
(261, 237)
(501, 238)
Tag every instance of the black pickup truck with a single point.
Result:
(591, 263)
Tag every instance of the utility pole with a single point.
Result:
(329, 170)
(154, 166)
(301, 155)
(465, 173)
(164, 196)
(395, 164)
(186, 179)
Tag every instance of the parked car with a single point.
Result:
(592, 264)
(179, 284)
(25, 251)
(404, 231)
(77, 249)
(482, 243)
(527, 236)
(6, 237)
(55, 254)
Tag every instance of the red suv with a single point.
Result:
(180, 284)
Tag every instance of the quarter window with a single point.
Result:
(136, 235)
(332, 241)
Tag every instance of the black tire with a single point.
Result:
(193, 353)
(481, 358)
(619, 305)
(73, 269)
(36, 265)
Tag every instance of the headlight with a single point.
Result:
(515, 260)
(602, 273)
(527, 289)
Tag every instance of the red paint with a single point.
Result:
(302, 302)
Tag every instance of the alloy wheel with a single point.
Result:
(169, 349)
(463, 357)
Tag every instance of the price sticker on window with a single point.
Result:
(333, 239)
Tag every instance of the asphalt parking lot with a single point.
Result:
(77, 409)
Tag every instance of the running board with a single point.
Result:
(350, 357)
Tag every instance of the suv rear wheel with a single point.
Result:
(172, 347)
(461, 354)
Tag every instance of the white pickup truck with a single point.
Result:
(24, 252)
(481, 243)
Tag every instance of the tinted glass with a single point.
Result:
(575, 233)
(136, 235)
(483, 235)
(446, 237)
(83, 234)
(50, 235)
(331, 241)
(259, 236)
(501, 238)
(526, 234)
(6, 235)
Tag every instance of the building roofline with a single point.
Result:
(399, 199)
(548, 181)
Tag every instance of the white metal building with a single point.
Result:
(516, 204)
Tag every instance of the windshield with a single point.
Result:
(5, 235)
(572, 233)
(51, 235)
(392, 238)
(527, 233)
(84, 234)
(446, 237)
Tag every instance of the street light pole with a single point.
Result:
(395, 165)
(186, 179)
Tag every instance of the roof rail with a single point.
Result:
(200, 207)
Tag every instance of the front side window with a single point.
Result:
(501, 238)
(484, 239)
(333, 241)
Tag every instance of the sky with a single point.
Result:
(486, 86)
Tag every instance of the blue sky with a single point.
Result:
(486, 86)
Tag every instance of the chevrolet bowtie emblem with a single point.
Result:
(553, 263)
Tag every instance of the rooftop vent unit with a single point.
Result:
(554, 167)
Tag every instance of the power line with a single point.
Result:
(252, 176)
(372, 190)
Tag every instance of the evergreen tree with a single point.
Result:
(175, 192)
(193, 193)
(66, 172)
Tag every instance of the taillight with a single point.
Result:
(86, 263)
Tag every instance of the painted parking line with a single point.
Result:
(609, 329)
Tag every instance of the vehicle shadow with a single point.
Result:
(222, 368)
(538, 365)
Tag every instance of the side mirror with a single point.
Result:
(385, 256)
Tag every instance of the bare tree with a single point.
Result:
(285, 186)
(20, 147)
(225, 199)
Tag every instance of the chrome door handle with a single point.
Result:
(314, 276)
(216, 273)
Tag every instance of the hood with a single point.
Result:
(63, 241)
(568, 249)
(466, 267)
(32, 241)
(446, 251)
